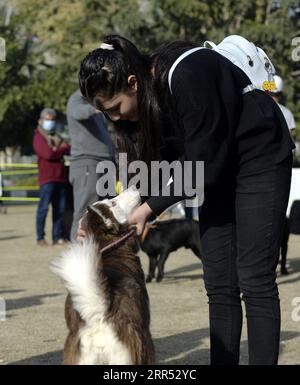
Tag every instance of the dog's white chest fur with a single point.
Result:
(100, 345)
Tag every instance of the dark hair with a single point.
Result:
(106, 72)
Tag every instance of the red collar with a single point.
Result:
(115, 244)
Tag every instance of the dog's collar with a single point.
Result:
(117, 243)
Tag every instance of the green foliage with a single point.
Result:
(45, 45)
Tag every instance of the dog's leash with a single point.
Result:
(151, 225)
(148, 226)
(115, 244)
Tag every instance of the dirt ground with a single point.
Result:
(34, 329)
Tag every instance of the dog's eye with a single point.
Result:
(113, 203)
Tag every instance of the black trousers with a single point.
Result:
(241, 230)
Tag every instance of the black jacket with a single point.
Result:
(229, 131)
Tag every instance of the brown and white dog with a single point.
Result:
(107, 308)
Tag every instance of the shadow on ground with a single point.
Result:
(179, 349)
(25, 302)
(7, 290)
(294, 268)
(11, 237)
(186, 349)
(171, 275)
(51, 358)
(171, 278)
(186, 269)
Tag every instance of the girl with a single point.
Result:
(246, 148)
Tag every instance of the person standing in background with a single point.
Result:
(290, 121)
(50, 149)
(277, 96)
(90, 144)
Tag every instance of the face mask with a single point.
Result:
(49, 125)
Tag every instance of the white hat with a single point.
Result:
(278, 83)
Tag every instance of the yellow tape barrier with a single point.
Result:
(20, 172)
(21, 165)
(33, 171)
(119, 187)
(18, 188)
(18, 165)
(19, 199)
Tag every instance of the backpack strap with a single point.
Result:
(248, 88)
(177, 61)
(208, 45)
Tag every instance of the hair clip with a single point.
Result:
(107, 46)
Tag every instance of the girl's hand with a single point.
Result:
(139, 217)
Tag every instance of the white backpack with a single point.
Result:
(244, 54)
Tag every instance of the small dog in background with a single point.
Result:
(159, 240)
(107, 308)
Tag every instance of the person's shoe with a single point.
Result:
(59, 242)
(42, 242)
(284, 271)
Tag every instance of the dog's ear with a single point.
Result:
(103, 218)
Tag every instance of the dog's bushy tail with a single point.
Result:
(79, 269)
